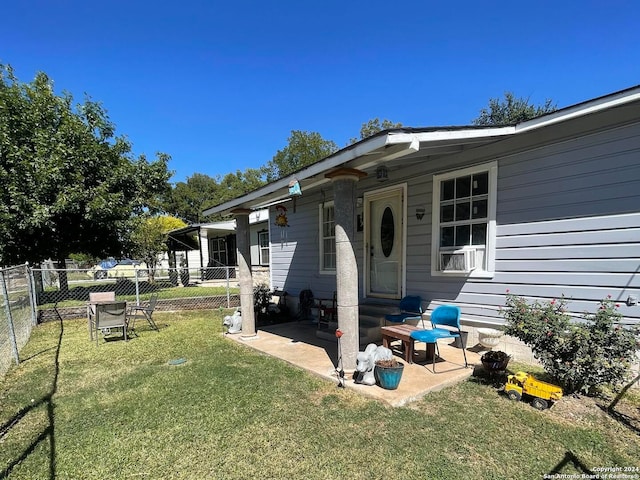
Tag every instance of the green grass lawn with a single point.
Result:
(75, 410)
(164, 293)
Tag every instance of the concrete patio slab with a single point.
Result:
(297, 344)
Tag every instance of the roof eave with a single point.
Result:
(582, 109)
(391, 142)
(395, 143)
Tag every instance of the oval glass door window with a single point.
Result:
(387, 232)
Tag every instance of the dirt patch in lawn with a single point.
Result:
(587, 411)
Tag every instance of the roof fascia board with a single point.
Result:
(449, 135)
(363, 149)
(390, 154)
(339, 158)
(395, 137)
(593, 106)
(228, 225)
(187, 229)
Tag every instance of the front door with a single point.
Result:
(384, 246)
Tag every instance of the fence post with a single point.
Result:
(32, 293)
(135, 272)
(228, 294)
(12, 332)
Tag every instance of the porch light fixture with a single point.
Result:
(420, 211)
(382, 174)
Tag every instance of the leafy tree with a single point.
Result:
(511, 110)
(149, 238)
(233, 185)
(304, 148)
(188, 199)
(67, 184)
(374, 126)
(83, 260)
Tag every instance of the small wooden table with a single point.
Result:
(327, 311)
(403, 333)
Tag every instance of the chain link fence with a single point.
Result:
(17, 313)
(64, 292)
(30, 296)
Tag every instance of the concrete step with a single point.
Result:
(369, 330)
(377, 309)
(371, 320)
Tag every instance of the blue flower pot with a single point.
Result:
(388, 377)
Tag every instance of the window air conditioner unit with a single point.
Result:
(463, 260)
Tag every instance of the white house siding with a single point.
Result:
(204, 246)
(193, 257)
(255, 247)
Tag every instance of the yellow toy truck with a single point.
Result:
(523, 383)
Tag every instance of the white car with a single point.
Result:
(125, 268)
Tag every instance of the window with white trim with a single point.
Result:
(463, 233)
(327, 237)
(263, 245)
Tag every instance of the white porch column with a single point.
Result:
(244, 272)
(344, 192)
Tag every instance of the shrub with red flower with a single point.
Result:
(583, 354)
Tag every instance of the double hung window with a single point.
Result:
(464, 220)
(327, 236)
(263, 245)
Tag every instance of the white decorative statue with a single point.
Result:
(366, 362)
(233, 322)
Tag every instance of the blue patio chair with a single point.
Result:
(442, 316)
(410, 308)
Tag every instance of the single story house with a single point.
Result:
(206, 246)
(461, 215)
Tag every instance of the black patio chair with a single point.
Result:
(109, 316)
(144, 311)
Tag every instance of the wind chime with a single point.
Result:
(281, 211)
(283, 222)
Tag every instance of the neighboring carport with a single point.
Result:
(185, 239)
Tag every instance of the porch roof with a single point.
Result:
(396, 146)
(185, 238)
(366, 155)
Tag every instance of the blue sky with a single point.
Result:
(220, 85)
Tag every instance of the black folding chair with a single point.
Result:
(111, 315)
(144, 311)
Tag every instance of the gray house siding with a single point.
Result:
(568, 223)
(294, 249)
